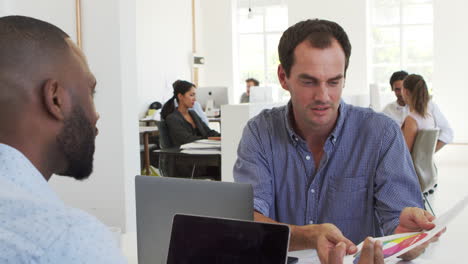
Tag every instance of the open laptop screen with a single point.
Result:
(197, 239)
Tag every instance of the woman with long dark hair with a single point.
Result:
(417, 97)
(185, 125)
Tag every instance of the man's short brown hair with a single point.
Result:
(319, 33)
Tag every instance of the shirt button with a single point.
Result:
(312, 191)
(311, 222)
(307, 157)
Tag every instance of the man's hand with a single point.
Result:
(325, 237)
(371, 253)
(413, 219)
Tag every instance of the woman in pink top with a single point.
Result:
(417, 97)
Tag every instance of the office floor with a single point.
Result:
(452, 164)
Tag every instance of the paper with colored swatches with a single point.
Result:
(397, 245)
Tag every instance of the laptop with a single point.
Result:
(208, 240)
(158, 199)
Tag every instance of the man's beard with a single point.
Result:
(76, 141)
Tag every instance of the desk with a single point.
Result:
(149, 121)
(196, 158)
(214, 120)
(449, 249)
(146, 131)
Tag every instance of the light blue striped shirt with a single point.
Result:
(35, 225)
(365, 178)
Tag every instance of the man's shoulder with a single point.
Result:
(86, 239)
(28, 228)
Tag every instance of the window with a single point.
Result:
(402, 39)
(258, 34)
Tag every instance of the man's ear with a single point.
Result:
(53, 96)
(282, 77)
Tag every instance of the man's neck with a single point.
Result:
(315, 136)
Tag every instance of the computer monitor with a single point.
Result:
(261, 94)
(158, 199)
(218, 94)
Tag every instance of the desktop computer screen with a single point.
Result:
(218, 95)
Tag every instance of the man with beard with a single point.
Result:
(334, 172)
(48, 126)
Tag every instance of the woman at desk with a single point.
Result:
(185, 125)
(417, 97)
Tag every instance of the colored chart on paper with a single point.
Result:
(394, 246)
(398, 244)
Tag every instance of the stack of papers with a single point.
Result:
(202, 146)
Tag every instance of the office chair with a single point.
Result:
(423, 160)
(164, 138)
(166, 162)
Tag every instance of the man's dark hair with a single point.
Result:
(319, 33)
(397, 76)
(256, 83)
(23, 40)
(27, 47)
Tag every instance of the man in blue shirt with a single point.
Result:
(48, 126)
(332, 171)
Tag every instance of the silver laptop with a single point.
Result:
(158, 199)
(209, 240)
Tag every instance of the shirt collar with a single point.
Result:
(336, 132)
(19, 171)
(293, 137)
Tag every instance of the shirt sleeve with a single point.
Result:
(199, 110)
(86, 240)
(252, 167)
(396, 184)
(446, 132)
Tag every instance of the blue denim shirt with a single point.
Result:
(365, 178)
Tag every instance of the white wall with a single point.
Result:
(109, 46)
(217, 43)
(351, 15)
(164, 48)
(450, 63)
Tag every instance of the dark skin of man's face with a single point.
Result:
(77, 138)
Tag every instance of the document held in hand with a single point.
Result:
(398, 244)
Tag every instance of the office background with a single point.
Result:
(138, 48)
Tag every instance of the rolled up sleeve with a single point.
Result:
(446, 132)
(396, 184)
(252, 167)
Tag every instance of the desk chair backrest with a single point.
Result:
(164, 138)
(423, 158)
